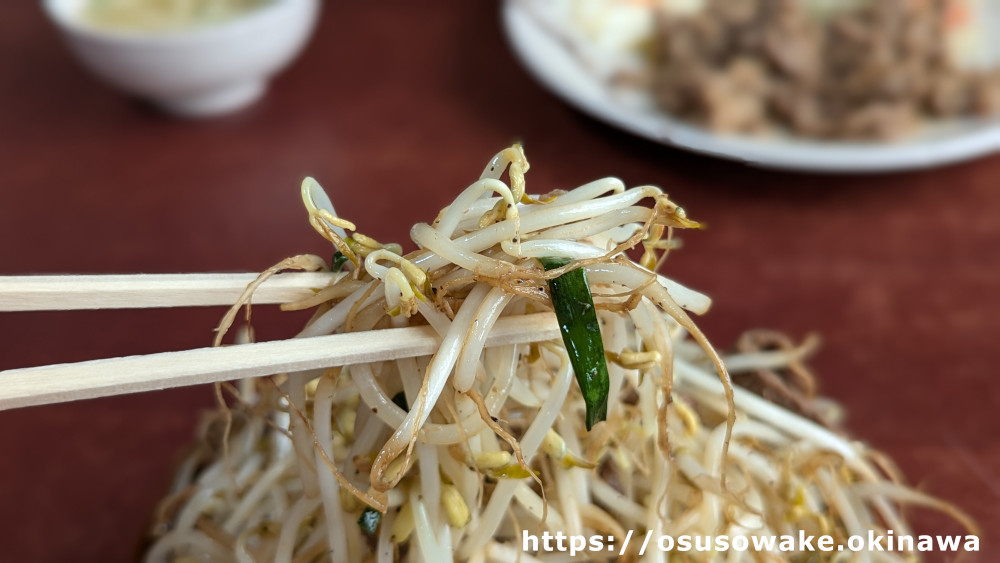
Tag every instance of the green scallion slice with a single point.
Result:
(581, 333)
(369, 520)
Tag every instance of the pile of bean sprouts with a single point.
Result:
(455, 455)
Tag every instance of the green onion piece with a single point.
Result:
(338, 261)
(369, 520)
(581, 333)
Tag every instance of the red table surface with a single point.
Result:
(394, 108)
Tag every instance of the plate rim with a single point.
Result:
(531, 45)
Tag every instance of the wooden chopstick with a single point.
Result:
(72, 292)
(133, 374)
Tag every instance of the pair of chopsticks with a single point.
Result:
(133, 374)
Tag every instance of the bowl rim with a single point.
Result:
(253, 18)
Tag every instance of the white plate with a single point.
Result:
(549, 59)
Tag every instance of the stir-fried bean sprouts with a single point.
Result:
(452, 456)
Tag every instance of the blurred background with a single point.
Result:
(394, 107)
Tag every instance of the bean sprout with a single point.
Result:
(461, 451)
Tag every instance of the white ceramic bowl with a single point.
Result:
(197, 72)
